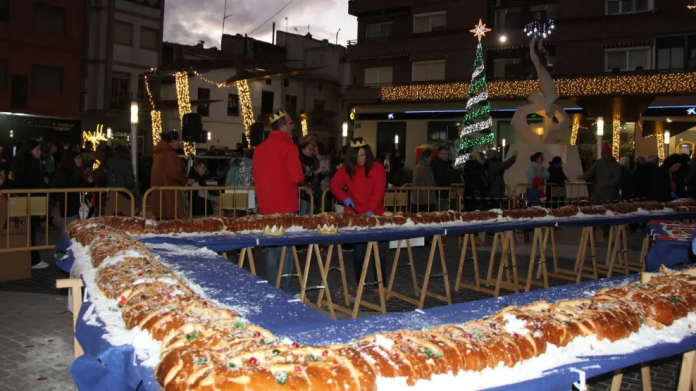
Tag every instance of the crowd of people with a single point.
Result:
(278, 168)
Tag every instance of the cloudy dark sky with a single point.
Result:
(190, 21)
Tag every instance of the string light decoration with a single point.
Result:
(477, 122)
(616, 130)
(156, 117)
(183, 98)
(660, 136)
(574, 130)
(305, 131)
(94, 137)
(95, 165)
(247, 108)
(539, 29)
(616, 137)
(582, 86)
(632, 137)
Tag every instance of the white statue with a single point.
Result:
(542, 103)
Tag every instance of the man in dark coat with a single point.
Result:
(643, 176)
(441, 169)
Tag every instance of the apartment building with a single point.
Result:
(124, 42)
(630, 62)
(41, 50)
(297, 73)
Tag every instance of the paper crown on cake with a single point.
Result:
(280, 114)
(358, 143)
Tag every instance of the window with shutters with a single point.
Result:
(628, 6)
(233, 105)
(429, 70)
(120, 91)
(49, 18)
(426, 23)
(46, 79)
(148, 38)
(123, 33)
(378, 31)
(204, 108)
(378, 76)
(628, 59)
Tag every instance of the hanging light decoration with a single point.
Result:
(538, 28)
(183, 98)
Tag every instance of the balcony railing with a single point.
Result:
(385, 38)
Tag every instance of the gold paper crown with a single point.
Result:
(280, 114)
(358, 144)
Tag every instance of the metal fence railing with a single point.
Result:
(410, 199)
(22, 211)
(176, 202)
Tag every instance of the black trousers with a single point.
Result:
(359, 250)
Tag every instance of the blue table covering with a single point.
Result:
(669, 249)
(106, 367)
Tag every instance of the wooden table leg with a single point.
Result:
(325, 285)
(380, 281)
(645, 377)
(74, 284)
(308, 261)
(343, 275)
(686, 373)
(361, 283)
(616, 381)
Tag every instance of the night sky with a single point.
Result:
(190, 21)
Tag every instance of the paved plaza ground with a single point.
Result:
(36, 327)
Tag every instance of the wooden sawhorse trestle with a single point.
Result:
(421, 293)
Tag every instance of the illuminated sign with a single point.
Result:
(691, 111)
(390, 116)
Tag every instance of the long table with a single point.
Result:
(107, 367)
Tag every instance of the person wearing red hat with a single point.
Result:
(605, 175)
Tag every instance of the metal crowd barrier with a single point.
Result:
(573, 193)
(234, 201)
(21, 211)
(410, 199)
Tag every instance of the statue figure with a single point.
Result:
(556, 120)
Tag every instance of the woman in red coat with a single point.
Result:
(359, 184)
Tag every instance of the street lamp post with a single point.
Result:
(134, 138)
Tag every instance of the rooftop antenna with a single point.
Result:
(224, 18)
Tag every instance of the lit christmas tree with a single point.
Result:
(476, 127)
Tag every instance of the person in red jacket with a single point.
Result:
(359, 184)
(277, 173)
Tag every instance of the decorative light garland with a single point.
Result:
(247, 108)
(305, 131)
(660, 136)
(582, 86)
(156, 117)
(183, 98)
(574, 130)
(616, 130)
(94, 137)
(539, 29)
(477, 127)
(616, 137)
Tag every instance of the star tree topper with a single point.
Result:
(480, 30)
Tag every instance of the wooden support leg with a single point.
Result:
(503, 264)
(395, 266)
(74, 284)
(645, 377)
(613, 251)
(247, 253)
(686, 372)
(644, 252)
(513, 257)
(361, 284)
(532, 258)
(616, 381)
(444, 271)
(308, 261)
(462, 260)
(281, 264)
(624, 249)
(494, 249)
(324, 282)
(327, 265)
(380, 281)
(612, 231)
(343, 275)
